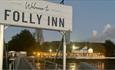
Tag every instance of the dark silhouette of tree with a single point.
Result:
(24, 41)
(110, 52)
(49, 45)
(110, 48)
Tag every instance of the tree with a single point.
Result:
(110, 48)
(24, 41)
(110, 52)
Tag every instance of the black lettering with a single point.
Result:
(23, 18)
(27, 6)
(16, 16)
(61, 22)
(48, 20)
(54, 21)
(32, 5)
(6, 14)
(39, 18)
(31, 19)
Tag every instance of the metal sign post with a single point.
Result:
(64, 52)
(1, 45)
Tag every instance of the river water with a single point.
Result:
(73, 64)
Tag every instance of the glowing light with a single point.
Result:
(90, 50)
(34, 53)
(50, 50)
(38, 54)
(73, 47)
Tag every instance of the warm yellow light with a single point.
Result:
(73, 47)
(34, 53)
(50, 50)
(90, 50)
(38, 54)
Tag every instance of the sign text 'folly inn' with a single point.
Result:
(36, 14)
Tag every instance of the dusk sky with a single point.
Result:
(92, 20)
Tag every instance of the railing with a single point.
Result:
(21, 63)
(11, 63)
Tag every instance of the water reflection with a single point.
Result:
(73, 65)
(85, 65)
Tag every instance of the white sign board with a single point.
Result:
(36, 14)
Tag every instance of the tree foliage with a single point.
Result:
(24, 41)
(110, 48)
